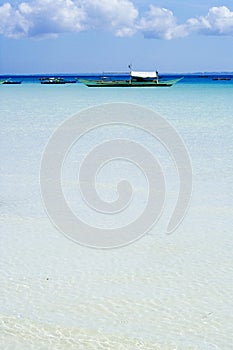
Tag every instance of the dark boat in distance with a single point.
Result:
(11, 82)
(221, 78)
(136, 79)
(53, 80)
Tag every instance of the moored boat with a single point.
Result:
(9, 81)
(221, 78)
(12, 82)
(53, 80)
(136, 79)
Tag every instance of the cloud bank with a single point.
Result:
(49, 18)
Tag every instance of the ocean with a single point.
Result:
(161, 292)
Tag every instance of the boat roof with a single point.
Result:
(143, 74)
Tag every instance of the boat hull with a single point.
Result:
(11, 82)
(52, 82)
(128, 83)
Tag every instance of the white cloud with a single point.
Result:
(218, 21)
(42, 18)
(160, 23)
(12, 23)
(51, 17)
(117, 16)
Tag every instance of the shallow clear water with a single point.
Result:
(161, 292)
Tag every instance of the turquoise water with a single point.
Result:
(162, 292)
(194, 78)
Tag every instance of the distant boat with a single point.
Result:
(221, 78)
(137, 79)
(12, 82)
(53, 80)
(9, 81)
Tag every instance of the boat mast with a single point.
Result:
(130, 67)
(157, 76)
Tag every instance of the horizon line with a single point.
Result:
(112, 72)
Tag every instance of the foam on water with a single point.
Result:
(162, 292)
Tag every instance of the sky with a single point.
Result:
(77, 36)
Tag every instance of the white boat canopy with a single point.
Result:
(144, 74)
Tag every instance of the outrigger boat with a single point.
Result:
(136, 79)
(9, 81)
(12, 82)
(53, 80)
(221, 78)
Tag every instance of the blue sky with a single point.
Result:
(69, 36)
